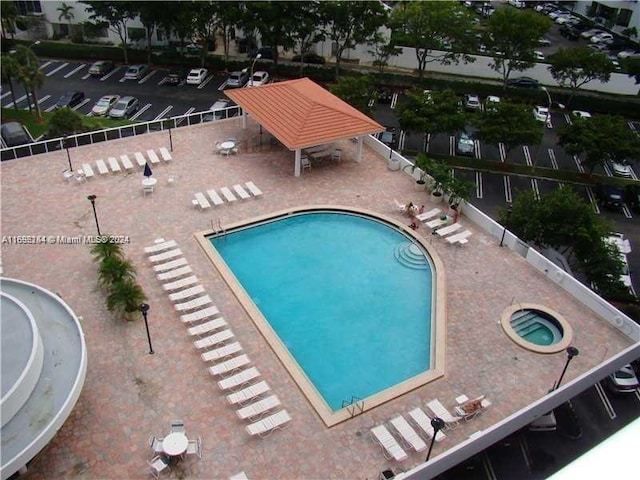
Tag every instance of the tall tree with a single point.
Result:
(9, 68)
(206, 25)
(599, 139)
(349, 23)
(439, 31)
(513, 35)
(29, 74)
(228, 16)
(308, 29)
(65, 121)
(383, 48)
(8, 14)
(573, 67)
(356, 91)
(510, 124)
(431, 112)
(151, 15)
(66, 13)
(117, 15)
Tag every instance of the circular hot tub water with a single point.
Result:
(537, 328)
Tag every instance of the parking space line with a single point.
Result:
(153, 72)
(45, 65)
(57, 69)
(372, 102)
(452, 145)
(111, 73)
(5, 94)
(84, 77)
(140, 112)
(632, 126)
(222, 85)
(394, 100)
(476, 149)
(626, 211)
(578, 164)
(592, 199)
(567, 119)
(607, 170)
(163, 113)
(206, 81)
(18, 100)
(479, 192)
(426, 142)
(401, 139)
(51, 108)
(605, 400)
(488, 468)
(503, 152)
(554, 162)
(507, 189)
(82, 104)
(46, 97)
(75, 70)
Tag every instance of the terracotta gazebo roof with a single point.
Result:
(300, 113)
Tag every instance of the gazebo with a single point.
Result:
(302, 114)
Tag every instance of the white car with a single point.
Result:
(538, 55)
(196, 76)
(258, 79)
(105, 104)
(592, 32)
(491, 102)
(623, 380)
(581, 114)
(561, 20)
(627, 53)
(621, 169)
(472, 102)
(602, 37)
(540, 113)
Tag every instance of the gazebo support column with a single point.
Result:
(359, 150)
(297, 163)
(244, 120)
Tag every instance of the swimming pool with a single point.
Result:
(351, 311)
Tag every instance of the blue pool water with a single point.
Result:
(356, 320)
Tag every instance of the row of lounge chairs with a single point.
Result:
(244, 192)
(114, 165)
(224, 355)
(440, 224)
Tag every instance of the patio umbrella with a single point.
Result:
(147, 170)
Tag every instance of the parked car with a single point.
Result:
(472, 102)
(621, 169)
(265, 53)
(14, 134)
(623, 380)
(100, 68)
(590, 33)
(259, 78)
(309, 58)
(388, 137)
(136, 72)
(627, 53)
(105, 104)
(602, 37)
(570, 33)
(632, 197)
(491, 102)
(70, 99)
(196, 76)
(174, 78)
(238, 79)
(540, 113)
(124, 107)
(539, 56)
(523, 82)
(219, 109)
(611, 196)
(544, 42)
(581, 114)
(465, 145)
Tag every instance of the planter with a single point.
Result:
(393, 164)
(419, 186)
(436, 197)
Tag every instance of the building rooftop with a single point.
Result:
(129, 395)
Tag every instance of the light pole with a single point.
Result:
(92, 199)
(506, 223)
(571, 353)
(144, 308)
(253, 64)
(438, 424)
(66, 147)
(549, 106)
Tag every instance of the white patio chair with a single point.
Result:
(222, 352)
(192, 304)
(213, 340)
(126, 162)
(444, 231)
(422, 421)
(140, 159)
(173, 264)
(255, 409)
(439, 410)
(239, 379)
(408, 434)
(249, 393)
(194, 447)
(233, 365)
(215, 198)
(161, 257)
(460, 238)
(177, 426)
(269, 424)
(226, 193)
(207, 327)
(155, 444)
(183, 282)
(202, 201)
(305, 162)
(158, 465)
(87, 170)
(178, 272)
(160, 246)
(153, 157)
(113, 163)
(200, 314)
(102, 167)
(164, 153)
(428, 215)
(389, 444)
(186, 293)
(242, 193)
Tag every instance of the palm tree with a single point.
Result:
(125, 298)
(106, 249)
(29, 74)
(9, 68)
(65, 12)
(113, 270)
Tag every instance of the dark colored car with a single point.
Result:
(611, 196)
(101, 68)
(14, 134)
(388, 137)
(523, 82)
(309, 58)
(632, 197)
(70, 99)
(175, 77)
(569, 32)
(266, 53)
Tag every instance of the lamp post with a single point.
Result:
(92, 199)
(504, 232)
(66, 147)
(549, 106)
(438, 424)
(253, 64)
(170, 137)
(571, 353)
(144, 308)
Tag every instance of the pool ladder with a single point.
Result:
(355, 406)
(217, 227)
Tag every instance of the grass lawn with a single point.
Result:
(38, 127)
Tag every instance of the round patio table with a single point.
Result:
(149, 181)
(175, 444)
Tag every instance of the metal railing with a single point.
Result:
(97, 136)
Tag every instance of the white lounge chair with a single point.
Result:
(239, 476)
(87, 170)
(194, 447)
(183, 282)
(231, 365)
(113, 163)
(438, 222)
(444, 231)
(226, 193)
(423, 421)
(202, 201)
(200, 314)
(215, 198)
(102, 167)
(239, 379)
(214, 339)
(177, 273)
(161, 257)
(192, 304)
(461, 238)
(126, 162)
(207, 327)
(186, 293)
(400, 206)
(158, 247)
(152, 156)
(472, 407)
(423, 217)
(439, 410)
(255, 191)
(248, 393)
(140, 159)
(164, 153)
(221, 352)
(163, 267)
(258, 408)
(268, 424)
(389, 444)
(242, 193)
(408, 434)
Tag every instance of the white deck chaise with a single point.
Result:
(153, 158)
(140, 159)
(163, 267)
(258, 408)
(389, 444)
(202, 314)
(408, 434)
(221, 352)
(159, 247)
(192, 304)
(239, 379)
(182, 283)
(126, 162)
(255, 191)
(422, 421)
(114, 165)
(268, 424)
(207, 327)
(186, 293)
(242, 193)
(165, 154)
(102, 167)
(177, 273)
(249, 393)
(230, 365)
(213, 340)
(215, 198)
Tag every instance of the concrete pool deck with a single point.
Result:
(129, 394)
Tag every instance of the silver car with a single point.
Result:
(136, 72)
(124, 107)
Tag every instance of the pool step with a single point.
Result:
(521, 317)
(411, 256)
(532, 327)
